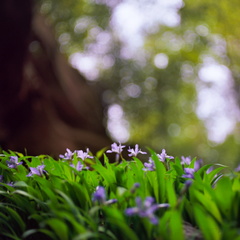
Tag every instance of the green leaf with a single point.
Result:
(23, 193)
(29, 233)
(101, 152)
(206, 223)
(107, 174)
(176, 225)
(210, 177)
(72, 220)
(172, 198)
(20, 184)
(208, 202)
(116, 220)
(67, 199)
(161, 182)
(79, 194)
(59, 227)
(88, 235)
(16, 219)
(224, 196)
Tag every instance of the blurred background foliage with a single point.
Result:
(168, 70)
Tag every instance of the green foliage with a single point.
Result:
(59, 204)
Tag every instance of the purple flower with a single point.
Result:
(11, 184)
(83, 155)
(150, 166)
(67, 155)
(237, 169)
(186, 160)
(198, 164)
(13, 162)
(189, 172)
(183, 191)
(163, 155)
(99, 195)
(146, 209)
(116, 148)
(135, 187)
(39, 170)
(210, 170)
(78, 166)
(135, 152)
(188, 184)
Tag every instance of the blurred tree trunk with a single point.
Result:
(46, 106)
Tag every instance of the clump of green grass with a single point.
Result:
(79, 197)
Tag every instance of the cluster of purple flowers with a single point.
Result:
(163, 157)
(146, 209)
(133, 152)
(143, 209)
(150, 165)
(115, 148)
(69, 155)
(14, 163)
(185, 161)
(80, 154)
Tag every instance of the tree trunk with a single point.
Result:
(46, 106)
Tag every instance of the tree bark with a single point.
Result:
(46, 106)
